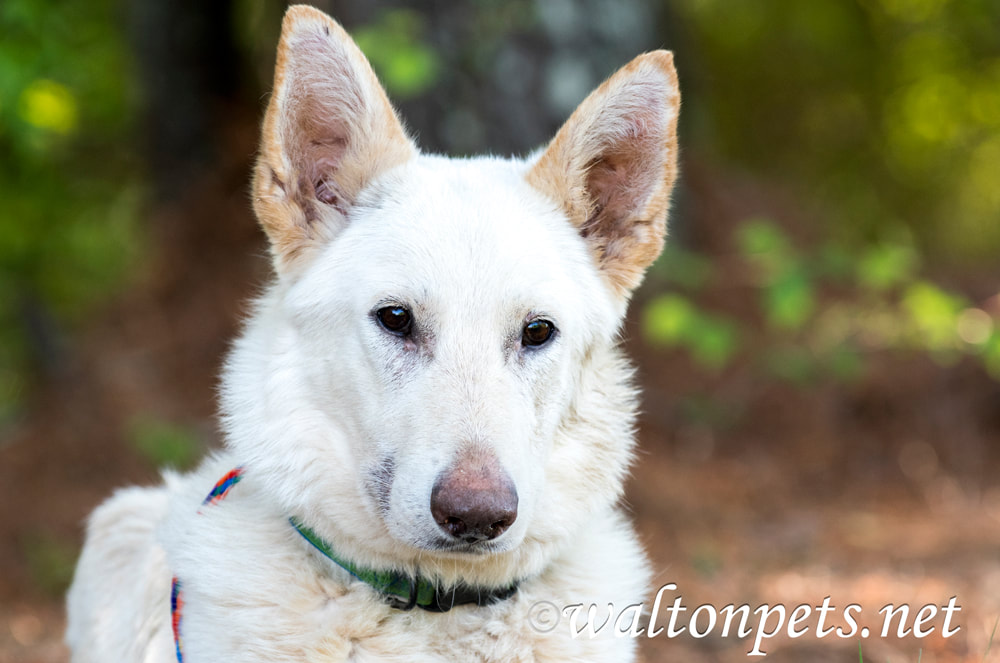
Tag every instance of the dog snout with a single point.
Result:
(474, 500)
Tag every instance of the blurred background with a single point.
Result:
(819, 346)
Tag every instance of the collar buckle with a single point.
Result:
(398, 603)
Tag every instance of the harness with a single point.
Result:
(399, 590)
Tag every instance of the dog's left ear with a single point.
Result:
(613, 164)
(328, 132)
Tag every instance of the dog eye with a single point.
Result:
(395, 319)
(537, 332)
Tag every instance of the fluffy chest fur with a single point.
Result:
(246, 574)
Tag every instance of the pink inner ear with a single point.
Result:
(329, 130)
(613, 164)
(624, 177)
(323, 97)
(317, 164)
(320, 171)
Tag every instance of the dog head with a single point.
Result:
(433, 374)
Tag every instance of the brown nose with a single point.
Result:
(474, 500)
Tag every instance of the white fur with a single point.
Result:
(316, 397)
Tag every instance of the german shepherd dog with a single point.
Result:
(427, 418)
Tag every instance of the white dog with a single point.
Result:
(428, 421)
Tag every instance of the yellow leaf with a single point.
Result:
(49, 105)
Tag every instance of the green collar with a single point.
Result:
(402, 591)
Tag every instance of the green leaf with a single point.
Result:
(713, 341)
(393, 44)
(410, 71)
(933, 316)
(884, 266)
(668, 319)
(671, 320)
(49, 105)
(759, 235)
(789, 300)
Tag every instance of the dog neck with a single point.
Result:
(404, 592)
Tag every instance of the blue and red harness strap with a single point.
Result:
(218, 493)
(400, 591)
(223, 486)
(176, 609)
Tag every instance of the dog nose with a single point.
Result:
(474, 501)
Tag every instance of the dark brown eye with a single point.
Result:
(395, 319)
(537, 332)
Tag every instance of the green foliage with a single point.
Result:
(48, 106)
(932, 316)
(67, 223)
(876, 110)
(789, 299)
(808, 333)
(671, 320)
(765, 244)
(887, 265)
(165, 444)
(667, 319)
(393, 43)
(787, 290)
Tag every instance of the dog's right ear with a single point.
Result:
(329, 130)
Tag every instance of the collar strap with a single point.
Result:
(402, 591)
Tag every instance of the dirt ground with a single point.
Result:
(879, 492)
